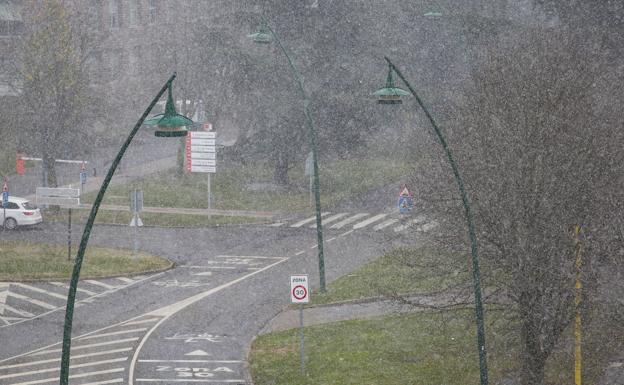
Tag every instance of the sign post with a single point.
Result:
(299, 293)
(136, 205)
(406, 200)
(5, 201)
(83, 177)
(64, 197)
(201, 154)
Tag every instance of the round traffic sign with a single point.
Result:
(299, 292)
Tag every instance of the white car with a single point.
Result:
(19, 212)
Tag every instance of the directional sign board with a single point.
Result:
(299, 292)
(201, 153)
(64, 197)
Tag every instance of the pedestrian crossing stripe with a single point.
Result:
(356, 221)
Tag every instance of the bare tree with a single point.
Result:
(537, 157)
(54, 82)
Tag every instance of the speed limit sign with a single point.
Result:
(299, 289)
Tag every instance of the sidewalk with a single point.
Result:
(349, 310)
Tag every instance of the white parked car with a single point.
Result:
(19, 212)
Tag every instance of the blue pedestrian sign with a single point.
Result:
(5, 194)
(406, 200)
(83, 177)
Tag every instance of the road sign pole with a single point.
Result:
(209, 197)
(69, 237)
(301, 338)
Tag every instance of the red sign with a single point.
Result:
(19, 165)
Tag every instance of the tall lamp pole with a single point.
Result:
(390, 95)
(170, 124)
(264, 36)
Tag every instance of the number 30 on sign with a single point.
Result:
(299, 292)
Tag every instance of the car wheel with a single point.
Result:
(10, 224)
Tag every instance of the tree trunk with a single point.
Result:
(533, 358)
(49, 166)
(281, 170)
(533, 370)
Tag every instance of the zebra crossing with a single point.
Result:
(21, 301)
(358, 221)
(97, 358)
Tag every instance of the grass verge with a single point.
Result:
(422, 348)
(26, 261)
(405, 270)
(250, 187)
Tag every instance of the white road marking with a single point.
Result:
(203, 273)
(114, 381)
(22, 313)
(112, 333)
(86, 346)
(277, 224)
(64, 286)
(57, 369)
(314, 246)
(102, 284)
(369, 221)
(330, 239)
(170, 310)
(308, 220)
(210, 267)
(345, 222)
(385, 224)
(56, 379)
(330, 219)
(36, 289)
(87, 300)
(199, 361)
(151, 320)
(187, 380)
(246, 256)
(300, 252)
(126, 280)
(42, 304)
(418, 219)
(31, 363)
(346, 233)
(429, 226)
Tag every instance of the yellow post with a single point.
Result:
(577, 303)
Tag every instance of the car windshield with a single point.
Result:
(29, 206)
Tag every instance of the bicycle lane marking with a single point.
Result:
(167, 311)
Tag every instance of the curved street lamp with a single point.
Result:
(170, 124)
(265, 35)
(384, 95)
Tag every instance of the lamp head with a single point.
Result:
(170, 124)
(390, 94)
(263, 36)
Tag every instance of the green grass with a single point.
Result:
(116, 217)
(232, 187)
(26, 261)
(405, 270)
(421, 348)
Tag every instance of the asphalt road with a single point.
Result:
(192, 324)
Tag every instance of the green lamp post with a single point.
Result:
(266, 35)
(390, 94)
(170, 124)
(383, 95)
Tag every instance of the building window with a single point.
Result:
(134, 60)
(113, 12)
(152, 11)
(133, 13)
